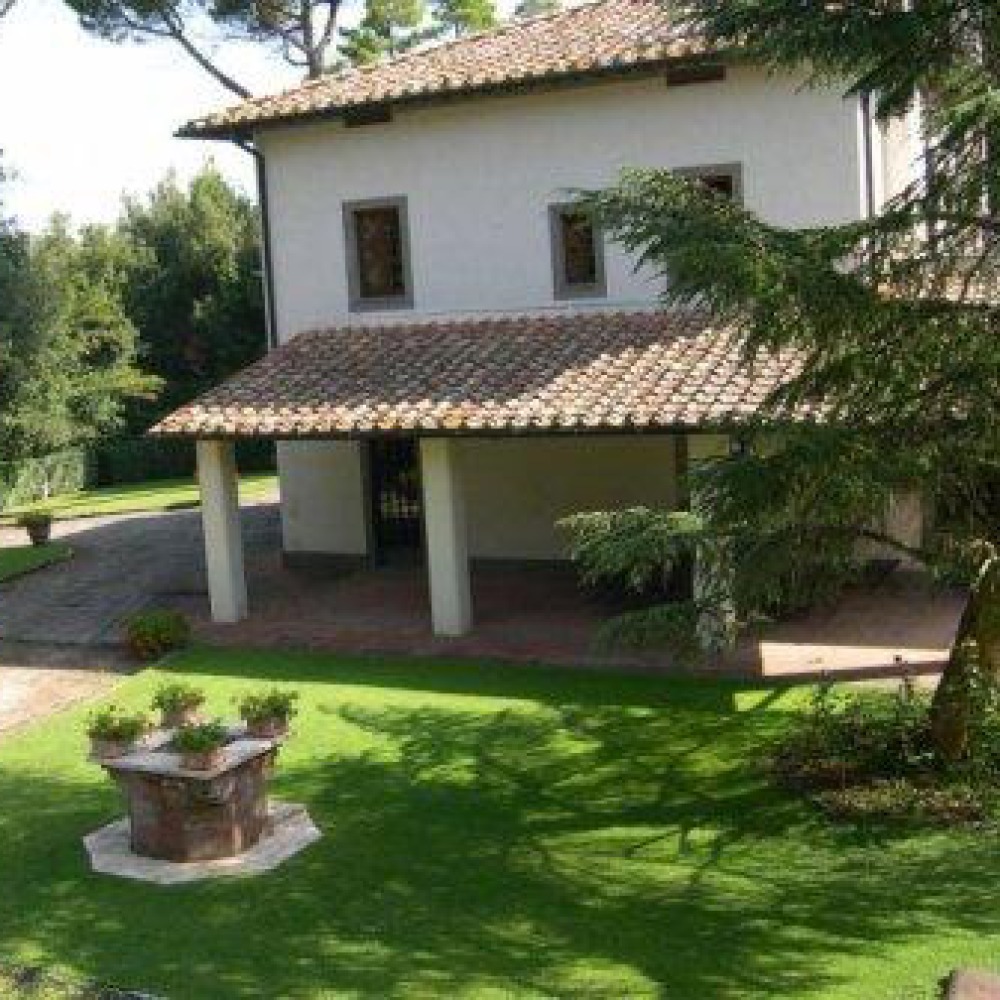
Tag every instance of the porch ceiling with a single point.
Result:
(596, 371)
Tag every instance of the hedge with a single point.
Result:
(139, 460)
(114, 463)
(34, 479)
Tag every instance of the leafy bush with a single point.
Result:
(152, 634)
(201, 737)
(265, 705)
(114, 724)
(174, 698)
(871, 755)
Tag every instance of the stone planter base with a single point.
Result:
(289, 831)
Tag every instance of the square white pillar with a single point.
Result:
(447, 543)
(220, 519)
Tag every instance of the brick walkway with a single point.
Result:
(128, 562)
(540, 614)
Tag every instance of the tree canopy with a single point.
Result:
(896, 317)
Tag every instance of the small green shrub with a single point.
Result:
(267, 705)
(175, 698)
(115, 725)
(201, 737)
(152, 634)
(871, 756)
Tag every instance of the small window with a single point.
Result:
(378, 254)
(577, 253)
(726, 181)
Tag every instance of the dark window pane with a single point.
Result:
(579, 249)
(380, 252)
(721, 184)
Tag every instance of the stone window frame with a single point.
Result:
(561, 289)
(356, 302)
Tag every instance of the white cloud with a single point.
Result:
(83, 120)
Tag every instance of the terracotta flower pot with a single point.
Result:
(176, 719)
(267, 729)
(109, 749)
(39, 532)
(206, 760)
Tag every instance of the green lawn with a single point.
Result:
(166, 494)
(490, 832)
(20, 559)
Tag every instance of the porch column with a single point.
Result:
(447, 544)
(905, 523)
(713, 565)
(220, 518)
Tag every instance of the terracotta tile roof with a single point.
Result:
(594, 38)
(582, 371)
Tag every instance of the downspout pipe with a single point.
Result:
(270, 311)
(868, 152)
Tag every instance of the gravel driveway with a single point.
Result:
(120, 565)
(60, 626)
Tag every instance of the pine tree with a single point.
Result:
(388, 27)
(897, 316)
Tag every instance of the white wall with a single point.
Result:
(323, 506)
(517, 488)
(479, 175)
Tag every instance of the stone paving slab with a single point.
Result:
(110, 851)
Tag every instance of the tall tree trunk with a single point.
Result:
(976, 650)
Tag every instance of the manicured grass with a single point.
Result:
(20, 559)
(490, 832)
(166, 494)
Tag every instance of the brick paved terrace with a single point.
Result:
(539, 613)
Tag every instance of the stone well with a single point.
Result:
(179, 817)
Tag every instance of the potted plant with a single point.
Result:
(38, 524)
(268, 713)
(114, 732)
(177, 704)
(201, 745)
(154, 633)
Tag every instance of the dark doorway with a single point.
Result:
(397, 508)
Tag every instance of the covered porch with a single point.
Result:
(510, 424)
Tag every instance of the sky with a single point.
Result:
(83, 120)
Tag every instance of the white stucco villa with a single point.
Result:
(458, 358)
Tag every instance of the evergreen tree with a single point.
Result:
(68, 355)
(192, 287)
(388, 27)
(897, 317)
(453, 18)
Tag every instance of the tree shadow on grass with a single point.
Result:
(585, 850)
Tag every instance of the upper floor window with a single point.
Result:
(577, 253)
(725, 180)
(377, 240)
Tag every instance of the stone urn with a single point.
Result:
(38, 527)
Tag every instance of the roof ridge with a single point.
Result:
(348, 73)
